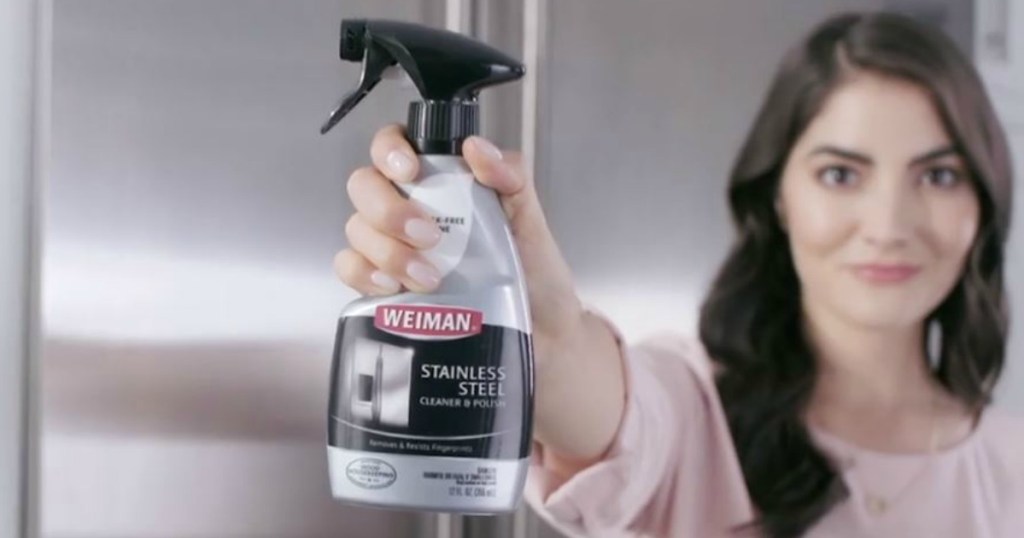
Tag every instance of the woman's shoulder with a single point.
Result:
(1001, 419)
(999, 456)
(1002, 435)
(1003, 427)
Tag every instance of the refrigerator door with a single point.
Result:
(18, 265)
(189, 305)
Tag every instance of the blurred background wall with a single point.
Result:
(190, 210)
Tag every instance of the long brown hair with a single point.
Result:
(750, 321)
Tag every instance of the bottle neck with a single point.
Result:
(439, 127)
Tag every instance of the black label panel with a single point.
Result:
(466, 397)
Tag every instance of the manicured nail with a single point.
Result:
(423, 232)
(383, 281)
(425, 275)
(487, 148)
(400, 163)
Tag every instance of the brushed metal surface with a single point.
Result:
(18, 296)
(189, 304)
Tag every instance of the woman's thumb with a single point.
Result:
(492, 167)
(504, 173)
(550, 280)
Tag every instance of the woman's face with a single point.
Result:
(878, 206)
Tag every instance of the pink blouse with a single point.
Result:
(672, 469)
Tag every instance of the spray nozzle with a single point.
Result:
(447, 68)
(375, 62)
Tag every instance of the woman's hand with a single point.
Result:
(388, 231)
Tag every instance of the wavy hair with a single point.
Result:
(750, 322)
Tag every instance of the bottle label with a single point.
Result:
(448, 198)
(428, 321)
(468, 396)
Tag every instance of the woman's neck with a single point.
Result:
(868, 367)
(874, 386)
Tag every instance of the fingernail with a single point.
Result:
(487, 148)
(400, 163)
(423, 232)
(383, 281)
(425, 275)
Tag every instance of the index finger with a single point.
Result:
(393, 155)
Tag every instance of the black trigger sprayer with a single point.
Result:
(448, 69)
(431, 396)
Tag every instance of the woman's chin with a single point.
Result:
(884, 316)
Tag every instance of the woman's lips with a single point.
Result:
(885, 274)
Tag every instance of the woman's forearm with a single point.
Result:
(580, 394)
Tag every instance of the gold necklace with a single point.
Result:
(878, 504)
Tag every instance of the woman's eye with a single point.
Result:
(837, 176)
(942, 177)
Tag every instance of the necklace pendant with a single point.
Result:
(876, 505)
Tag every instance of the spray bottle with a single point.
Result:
(432, 394)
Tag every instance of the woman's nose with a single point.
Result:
(890, 213)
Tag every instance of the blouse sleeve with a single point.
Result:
(671, 469)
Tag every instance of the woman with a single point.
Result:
(848, 348)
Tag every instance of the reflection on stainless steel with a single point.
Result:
(17, 282)
(250, 392)
(189, 306)
(192, 440)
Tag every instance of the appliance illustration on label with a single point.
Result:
(382, 380)
(431, 395)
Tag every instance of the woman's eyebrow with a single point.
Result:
(934, 154)
(941, 151)
(840, 152)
